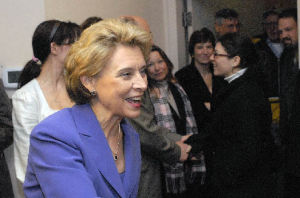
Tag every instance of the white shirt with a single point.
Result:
(277, 48)
(29, 108)
(234, 76)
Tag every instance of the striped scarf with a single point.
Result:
(178, 175)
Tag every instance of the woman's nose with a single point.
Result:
(140, 83)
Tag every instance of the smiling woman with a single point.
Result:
(173, 111)
(95, 149)
(238, 137)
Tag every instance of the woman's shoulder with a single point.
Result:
(28, 92)
(184, 72)
(60, 124)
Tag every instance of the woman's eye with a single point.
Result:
(126, 74)
(160, 62)
(150, 64)
(143, 72)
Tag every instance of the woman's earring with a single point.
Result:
(93, 93)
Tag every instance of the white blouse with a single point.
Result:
(29, 108)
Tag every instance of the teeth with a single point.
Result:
(134, 99)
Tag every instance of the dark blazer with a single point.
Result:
(240, 140)
(6, 129)
(270, 68)
(70, 157)
(293, 135)
(194, 86)
(158, 145)
(289, 69)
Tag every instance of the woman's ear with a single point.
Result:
(88, 82)
(53, 48)
(236, 61)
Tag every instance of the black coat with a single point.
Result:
(194, 86)
(6, 129)
(240, 140)
(289, 69)
(293, 135)
(270, 68)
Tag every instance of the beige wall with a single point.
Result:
(18, 20)
(163, 16)
(20, 17)
(79, 10)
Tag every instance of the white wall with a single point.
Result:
(163, 16)
(19, 19)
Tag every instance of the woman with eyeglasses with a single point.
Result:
(239, 136)
(42, 89)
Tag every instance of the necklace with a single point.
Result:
(115, 154)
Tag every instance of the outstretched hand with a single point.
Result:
(184, 148)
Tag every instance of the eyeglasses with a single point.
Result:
(224, 55)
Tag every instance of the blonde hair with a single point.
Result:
(91, 53)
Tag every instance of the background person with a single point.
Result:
(89, 21)
(288, 32)
(43, 90)
(226, 21)
(173, 111)
(201, 85)
(6, 138)
(270, 48)
(95, 153)
(239, 135)
(289, 65)
(197, 78)
(158, 144)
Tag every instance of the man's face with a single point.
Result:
(230, 25)
(271, 27)
(288, 31)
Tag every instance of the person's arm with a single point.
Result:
(156, 141)
(6, 130)
(25, 117)
(55, 161)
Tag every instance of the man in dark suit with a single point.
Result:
(289, 68)
(270, 48)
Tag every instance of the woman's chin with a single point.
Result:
(132, 114)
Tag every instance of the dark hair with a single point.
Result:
(169, 64)
(268, 13)
(242, 46)
(202, 36)
(287, 13)
(226, 13)
(47, 32)
(90, 21)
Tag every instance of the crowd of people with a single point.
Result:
(99, 112)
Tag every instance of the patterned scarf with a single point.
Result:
(179, 175)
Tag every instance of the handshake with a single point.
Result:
(186, 149)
